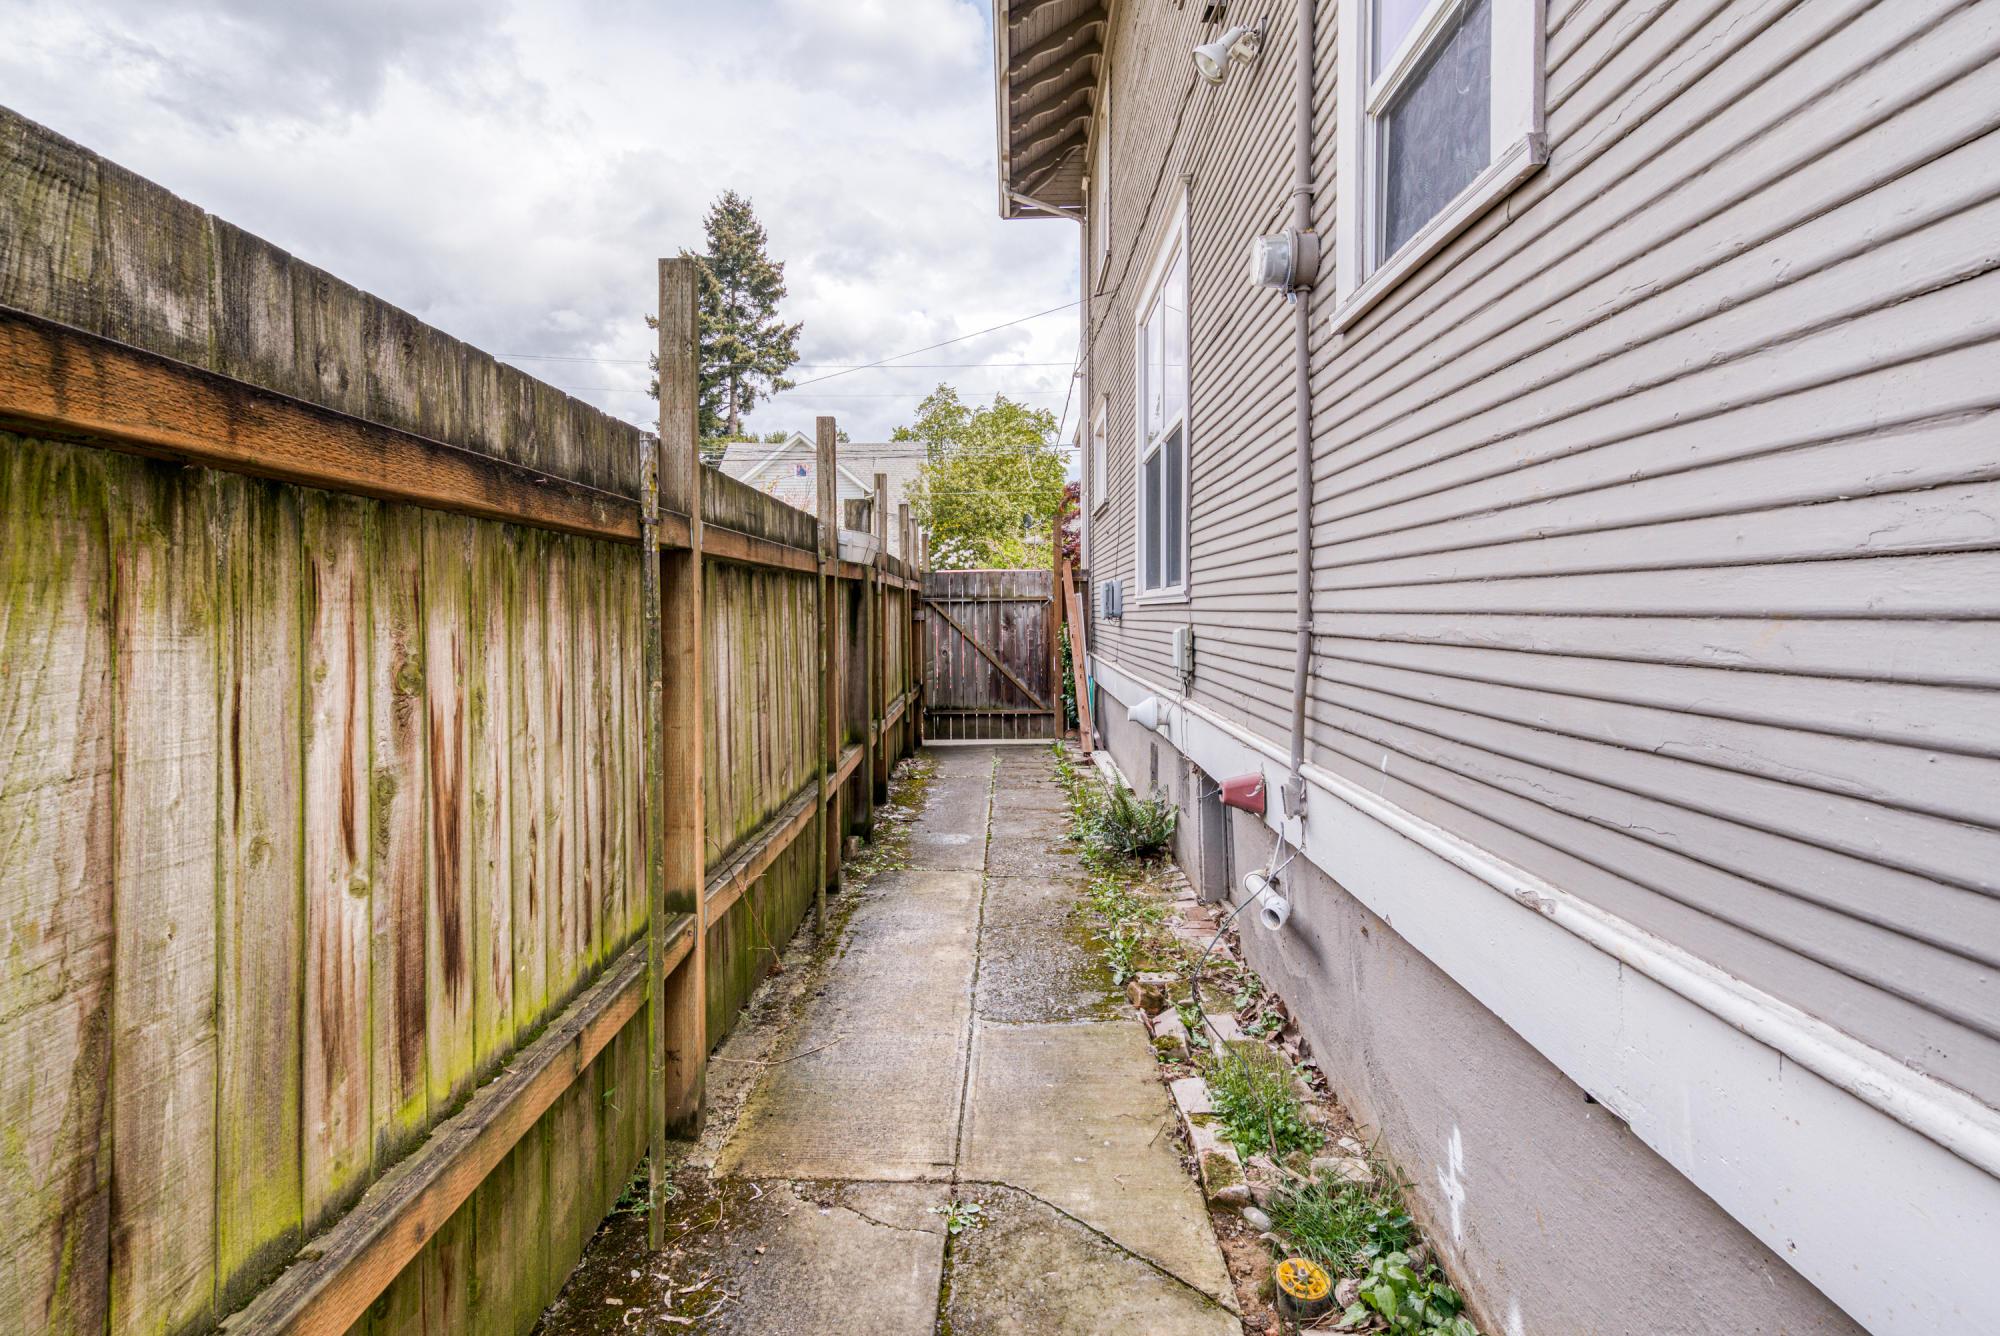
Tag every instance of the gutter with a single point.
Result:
(1294, 793)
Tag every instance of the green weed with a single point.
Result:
(1340, 1225)
(1411, 1304)
(1251, 1088)
(1116, 902)
(960, 1216)
(1122, 948)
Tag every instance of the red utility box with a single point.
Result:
(1245, 793)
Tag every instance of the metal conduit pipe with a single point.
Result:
(1302, 221)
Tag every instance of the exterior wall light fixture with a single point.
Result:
(1242, 43)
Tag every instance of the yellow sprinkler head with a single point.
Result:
(1305, 1291)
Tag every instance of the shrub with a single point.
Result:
(1413, 1304)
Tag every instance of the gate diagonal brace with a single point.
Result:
(1005, 671)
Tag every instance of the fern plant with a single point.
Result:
(1132, 826)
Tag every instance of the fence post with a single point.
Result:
(878, 651)
(1056, 623)
(654, 809)
(828, 860)
(864, 775)
(683, 703)
(906, 548)
(920, 626)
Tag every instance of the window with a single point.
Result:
(1440, 116)
(1162, 418)
(1100, 475)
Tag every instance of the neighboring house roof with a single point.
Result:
(789, 471)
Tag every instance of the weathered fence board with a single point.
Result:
(336, 1121)
(527, 777)
(259, 1007)
(165, 771)
(398, 833)
(447, 549)
(55, 887)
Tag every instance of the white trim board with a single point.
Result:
(1877, 1183)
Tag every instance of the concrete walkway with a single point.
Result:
(959, 1049)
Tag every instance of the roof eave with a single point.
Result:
(1003, 123)
(1014, 202)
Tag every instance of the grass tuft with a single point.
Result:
(1251, 1088)
(1341, 1225)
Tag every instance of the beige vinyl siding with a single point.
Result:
(1234, 152)
(1657, 518)
(1657, 532)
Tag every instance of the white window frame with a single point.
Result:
(1171, 245)
(1100, 455)
(1518, 144)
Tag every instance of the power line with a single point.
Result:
(847, 366)
(902, 394)
(867, 366)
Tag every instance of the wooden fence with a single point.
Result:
(370, 893)
(990, 655)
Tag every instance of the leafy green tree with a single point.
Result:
(745, 348)
(991, 482)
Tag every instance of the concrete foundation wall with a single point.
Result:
(1549, 1213)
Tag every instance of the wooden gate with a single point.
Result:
(989, 670)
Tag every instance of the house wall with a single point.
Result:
(1654, 550)
(788, 472)
(1567, 1221)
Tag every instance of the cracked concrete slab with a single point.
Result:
(1014, 794)
(961, 1042)
(1031, 1270)
(1035, 956)
(950, 833)
(1043, 830)
(1025, 857)
(879, 1099)
(768, 1257)
(1075, 1114)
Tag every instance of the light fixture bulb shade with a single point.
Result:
(1146, 714)
(1211, 59)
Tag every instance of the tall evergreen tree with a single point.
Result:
(745, 348)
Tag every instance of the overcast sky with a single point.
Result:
(510, 170)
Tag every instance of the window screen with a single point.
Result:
(1437, 135)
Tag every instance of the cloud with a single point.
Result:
(512, 171)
